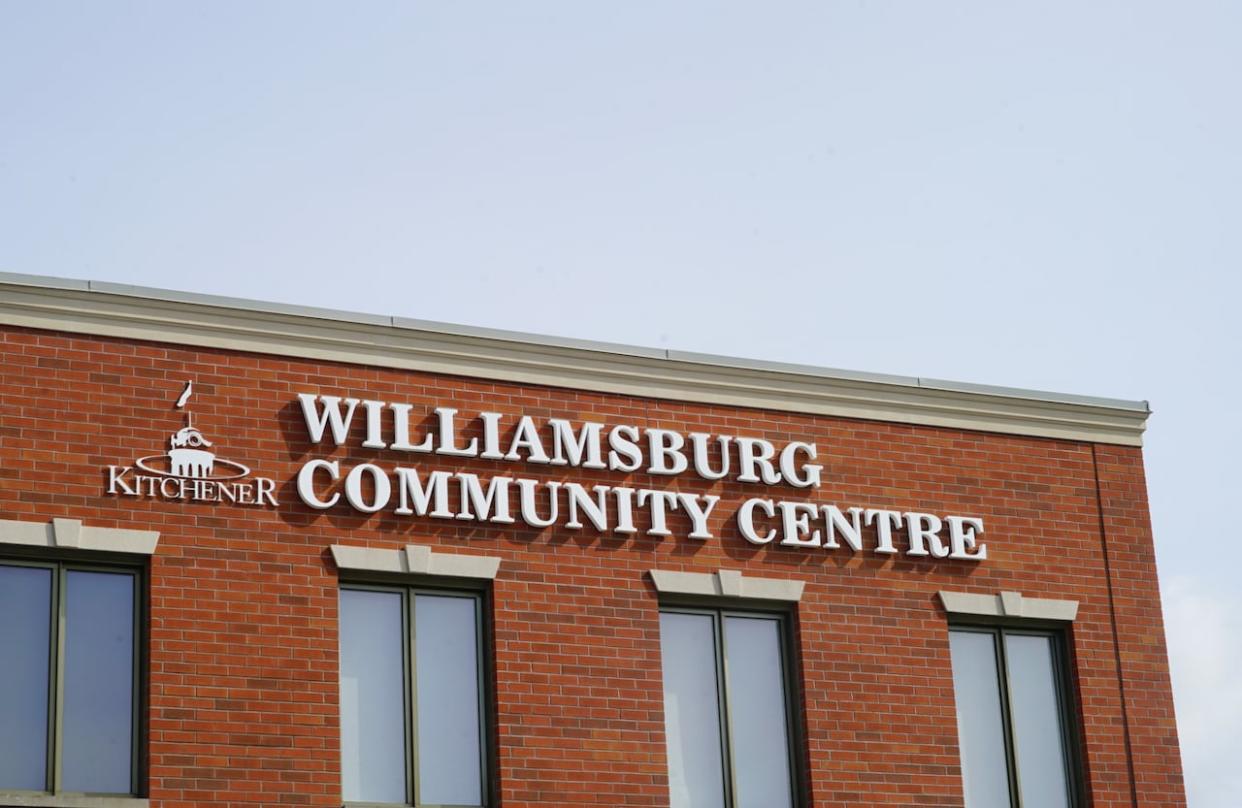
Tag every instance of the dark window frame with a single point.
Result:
(60, 566)
(1068, 706)
(408, 590)
(784, 616)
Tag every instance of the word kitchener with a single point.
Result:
(407, 490)
(123, 481)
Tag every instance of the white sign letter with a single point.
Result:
(664, 447)
(306, 485)
(850, 530)
(963, 534)
(886, 522)
(756, 453)
(582, 449)
(410, 489)
(804, 476)
(331, 416)
(923, 528)
(353, 488)
(448, 435)
(490, 507)
(621, 441)
(796, 522)
(698, 514)
(746, 520)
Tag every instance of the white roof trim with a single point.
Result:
(1008, 604)
(128, 312)
(726, 584)
(72, 534)
(415, 560)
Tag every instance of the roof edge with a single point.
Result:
(117, 310)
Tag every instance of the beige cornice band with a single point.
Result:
(88, 307)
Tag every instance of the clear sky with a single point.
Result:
(1034, 194)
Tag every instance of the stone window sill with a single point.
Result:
(69, 801)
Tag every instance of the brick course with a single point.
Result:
(242, 708)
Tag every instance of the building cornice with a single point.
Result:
(112, 310)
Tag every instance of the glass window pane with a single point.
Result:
(373, 703)
(25, 636)
(97, 728)
(447, 665)
(1037, 729)
(980, 731)
(692, 710)
(756, 702)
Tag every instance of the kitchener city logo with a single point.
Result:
(190, 471)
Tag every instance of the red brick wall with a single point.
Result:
(243, 644)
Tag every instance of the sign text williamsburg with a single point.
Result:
(410, 491)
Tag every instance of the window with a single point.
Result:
(69, 684)
(1013, 718)
(727, 708)
(412, 715)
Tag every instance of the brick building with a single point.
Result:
(253, 554)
